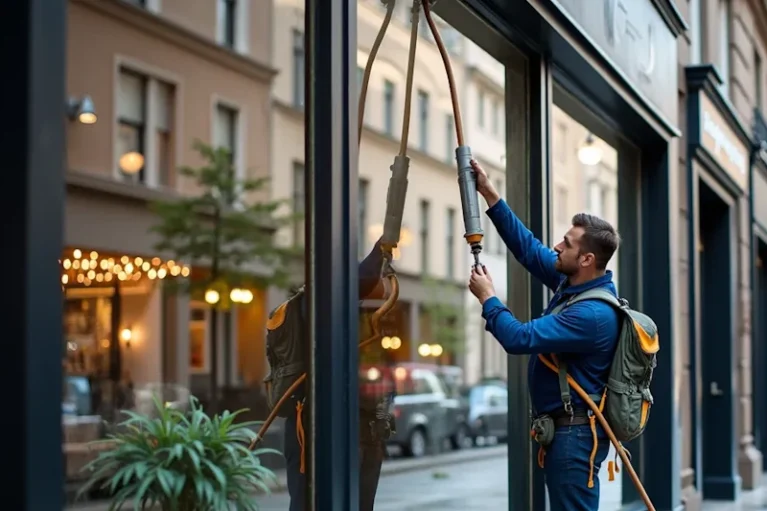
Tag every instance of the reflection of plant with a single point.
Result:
(445, 321)
(181, 462)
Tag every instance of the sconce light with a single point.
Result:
(391, 343)
(430, 350)
(243, 296)
(126, 335)
(212, 297)
(82, 109)
(131, 162)
(590, 153)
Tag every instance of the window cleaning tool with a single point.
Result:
(467, 180)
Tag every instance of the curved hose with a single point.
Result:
(601, 418)
(369, 67)
(448, 70)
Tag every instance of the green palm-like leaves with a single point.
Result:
(181, 462)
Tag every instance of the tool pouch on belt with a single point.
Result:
(378, 425)
(285, 351)
(543, 429)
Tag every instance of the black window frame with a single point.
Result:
(140, 127)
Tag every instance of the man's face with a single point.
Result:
(569, 257)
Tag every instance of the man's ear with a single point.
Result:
(588, 258)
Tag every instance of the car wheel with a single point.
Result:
(416, 444)
(460, 439)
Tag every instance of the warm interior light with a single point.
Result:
(212, 297)
(435, 350)
(590, 153)
(131, 162)
(396, 343)
(87, 118)
(424, 350)
(126, 335)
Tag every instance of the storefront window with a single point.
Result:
(592, 175)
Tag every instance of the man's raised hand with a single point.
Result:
(484, 185)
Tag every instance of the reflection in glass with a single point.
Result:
(585, 180)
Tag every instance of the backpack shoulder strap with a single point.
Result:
(597, 294)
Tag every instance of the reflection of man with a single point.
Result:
(374, 427)
(583, 336)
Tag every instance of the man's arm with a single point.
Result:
(575, 330)
(370, 271)
(537, 258)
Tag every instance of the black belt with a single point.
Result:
(562, 419)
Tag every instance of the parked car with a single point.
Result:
(457, 405)
(420, 404)
(488, 412)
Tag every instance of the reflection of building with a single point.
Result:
(160, 75)
(585, 177)
(432, 242)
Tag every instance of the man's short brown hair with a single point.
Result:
(599, 238)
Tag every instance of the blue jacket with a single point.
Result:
(584, 334)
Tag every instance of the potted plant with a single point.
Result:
(174, 461)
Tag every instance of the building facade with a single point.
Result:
(158, 75)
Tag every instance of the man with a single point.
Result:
(583, 335)
(373, 429)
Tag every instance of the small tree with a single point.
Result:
(218, 227)
(446, 321)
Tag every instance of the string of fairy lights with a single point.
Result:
(88, 268)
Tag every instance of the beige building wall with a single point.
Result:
(730, 35)
(180, 44)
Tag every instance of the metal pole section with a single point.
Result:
(331, 157)
(33, 147)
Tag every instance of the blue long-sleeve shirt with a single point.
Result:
(584, 335)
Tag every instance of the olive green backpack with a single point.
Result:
(627, 397)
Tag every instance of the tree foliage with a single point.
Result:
(220, 228)
(446, 322)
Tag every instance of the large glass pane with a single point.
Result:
(181, 242)
(587, 172)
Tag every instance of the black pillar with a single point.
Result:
(663, 436)
(527, 99)
(331, 160)
(32, 145)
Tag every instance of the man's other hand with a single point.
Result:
(481, 284)
(484, 185)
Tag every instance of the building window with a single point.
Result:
(450, 243)
(449, 138)
(299, 198)
(362, 211)
(758, 92)
(226, 130)
(724, 44)
(481, 109)
(560, 205)
(423, 111)
(131, 122)
(424, 234)
(696, 51)
(496, 114)
(164, 134)
(388, 108)
(298, 69)
(227, 20)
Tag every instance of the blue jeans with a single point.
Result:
(567, 465)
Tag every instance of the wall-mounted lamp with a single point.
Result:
(243, 296)
(131, 162)
(391, 343)
(430, 350)
(82, 109)
(126, 336)
(590, 153)
(212, 297)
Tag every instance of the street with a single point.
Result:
(479, 483)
